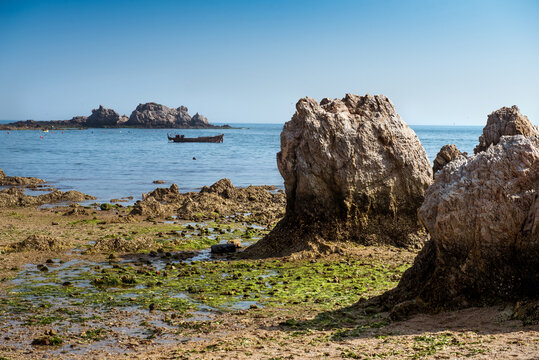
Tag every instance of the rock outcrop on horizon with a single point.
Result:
(149, 115)
(506, 121)
(102, 117)
(446, 154)
(157, 115)
(353, 170)
(482, 214)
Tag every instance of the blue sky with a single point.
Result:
(440, 62)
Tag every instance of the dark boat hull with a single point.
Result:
(206, 139)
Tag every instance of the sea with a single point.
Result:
(116, 163)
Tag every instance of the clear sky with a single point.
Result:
(440, 62)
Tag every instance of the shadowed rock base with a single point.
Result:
(483, 215)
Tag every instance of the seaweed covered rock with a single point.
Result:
(507, 121)
(482, 214)
(40, 243)
(446, 154)
(353, 170)
(261, 204)
(151, 207)
(15, 197)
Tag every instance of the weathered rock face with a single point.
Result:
(353, 170)
(482, 215)
(199, 120)
(156, 115)
(505, 122)
(102, 117)
(446, 154)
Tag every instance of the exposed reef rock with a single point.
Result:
(102, 118)
(15, 197)
(149, 115)
(505, 121)
(18, 180)
(40, 243)
(222, 199)
(446, 154)
(482, 214)
(353, 170)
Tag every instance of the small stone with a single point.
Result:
(223, 248)
(235, 242)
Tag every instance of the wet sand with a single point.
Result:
(115, 286)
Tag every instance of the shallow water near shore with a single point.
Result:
(115, 163)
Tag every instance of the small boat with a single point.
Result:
(208, 139)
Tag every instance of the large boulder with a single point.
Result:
(446, 154)
(482, 215)
(353, 170)
(102, 117)
(507, 121)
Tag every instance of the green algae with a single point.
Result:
(221, 285)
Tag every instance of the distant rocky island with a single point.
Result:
(149, 116)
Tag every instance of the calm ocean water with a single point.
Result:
(112, 163)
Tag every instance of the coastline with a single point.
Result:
(91, 281)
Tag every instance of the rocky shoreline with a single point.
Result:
(146, 116)
(367, 253)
